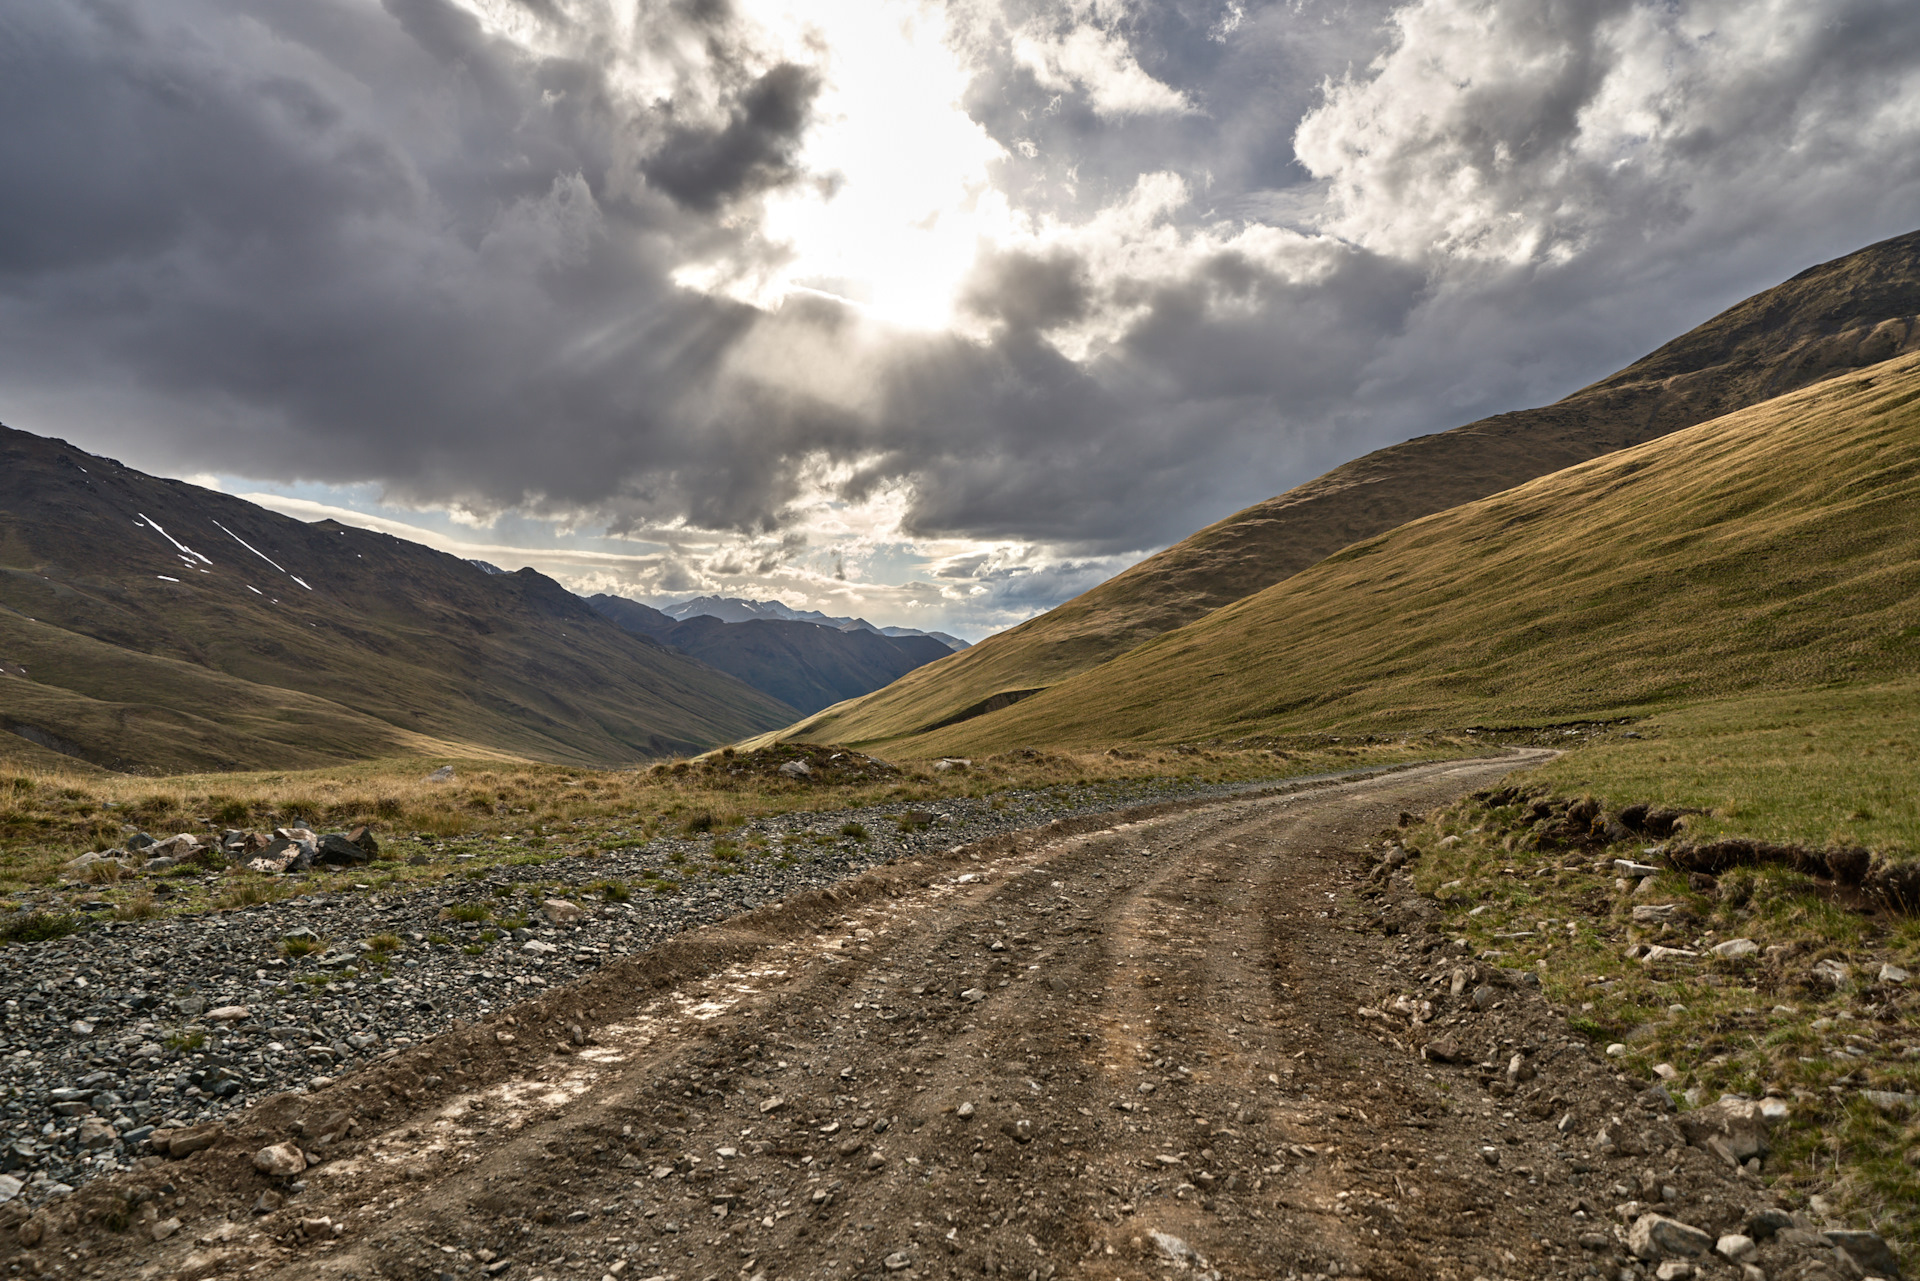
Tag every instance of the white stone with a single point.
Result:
(1734, 949)
(1733, 1247)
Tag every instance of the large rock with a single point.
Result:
(1654, 1236)
(559, 911)
(336, 850)
(1869, 1251)
(1735, 1130)
(280, 1161)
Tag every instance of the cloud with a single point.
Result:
(1097, 60)
(1520, 133)
(959, 306)
(704, 169)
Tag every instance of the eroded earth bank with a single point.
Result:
(1170, 1040)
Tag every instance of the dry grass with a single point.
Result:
(527, 815)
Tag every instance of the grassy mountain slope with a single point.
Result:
(157, 603)
(805, 665)
(1852, 312)
(1776, 548)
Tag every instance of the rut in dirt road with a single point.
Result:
(1098, 1056)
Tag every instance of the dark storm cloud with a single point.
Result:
(704, 169)
(326, 240)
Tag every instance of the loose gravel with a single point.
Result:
(137, 1025)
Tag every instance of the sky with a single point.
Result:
(934, 313)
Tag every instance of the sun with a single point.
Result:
(898, 198)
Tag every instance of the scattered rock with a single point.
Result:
(1830, 974)
(796, 769)
(1735, 1130)
(163, 1229)
(1735, 1248)
(1654, 1236)
(1734, 949)
(187, 1140)
(442, 775)
(559, 911)
(1891, 973)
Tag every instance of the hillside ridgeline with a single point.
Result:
(151, 625)
(1849, 313)
(1777, 548)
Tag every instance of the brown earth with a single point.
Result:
(1021, 1058)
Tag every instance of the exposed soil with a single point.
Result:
(1047, 1054)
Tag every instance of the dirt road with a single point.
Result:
(1113, 1054)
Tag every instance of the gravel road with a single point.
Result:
(1154, 1043)
(113, 1025)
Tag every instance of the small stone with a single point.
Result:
(1484, 996)
(1734, 1247)
(1891, 973)
(1665, 1071)
(559, 911)
(1654, 1236)
(964, 1110)
(875, 1160)
(1616, 1050)
(10, 1188)
(1734, 949)
(773, 1104)
(442, 775)
(164, 1229)
(1674, 1270)
(1491, 1155)
(96, 1134)
(895, 1262)
(1627, 867)
(229, 1014)
(539, 947)
(973, 995)
(280, 1161)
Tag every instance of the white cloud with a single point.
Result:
(1506, 131)
(1098, 60)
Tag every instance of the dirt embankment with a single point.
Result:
(1106, 1049)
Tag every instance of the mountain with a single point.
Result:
(732, 609)
(1845, 314)
(806, 665)
(149, 624)
(1776, 548)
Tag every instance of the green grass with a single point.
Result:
(1785, 768)
(1774, 549)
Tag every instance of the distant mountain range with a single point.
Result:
(732, 609)
(151, 625)
(806, 664)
